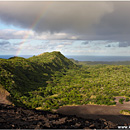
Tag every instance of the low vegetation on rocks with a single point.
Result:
(125, 112)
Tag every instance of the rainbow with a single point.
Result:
(33, 25)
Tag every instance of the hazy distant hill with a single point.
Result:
(100, 62)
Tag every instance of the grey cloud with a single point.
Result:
(13, 34)
(6, 34)
(6, 46)
(85, 42)
(3, 43)
(71, 17)
(53, 44)
(108, 46)
(67, 43)
(59, 42)
(113, 44)
(115, 25)
(124, 44)
(86, 20)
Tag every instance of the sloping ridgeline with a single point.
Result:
(26, 79)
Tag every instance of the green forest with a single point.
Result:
(50, 80)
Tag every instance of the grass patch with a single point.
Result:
(125, 112)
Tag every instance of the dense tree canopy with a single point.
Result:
(51, 80)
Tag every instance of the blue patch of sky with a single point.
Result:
(7, 26)
(27, 41)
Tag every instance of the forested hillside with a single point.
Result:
(26, 79)
(50, 80)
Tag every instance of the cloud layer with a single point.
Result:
(75, 18)
(79, 20)
(101, 26)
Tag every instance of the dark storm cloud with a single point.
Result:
(115, 25)
(70, 17)
(85, 20)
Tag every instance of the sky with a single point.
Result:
(73, 28)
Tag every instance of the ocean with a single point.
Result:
(99, 58)
(8, 56)
(82, 58)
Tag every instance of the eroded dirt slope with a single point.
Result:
(4, 94)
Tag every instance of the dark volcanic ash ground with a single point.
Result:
(19, 118)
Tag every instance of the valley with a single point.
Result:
(51, 82)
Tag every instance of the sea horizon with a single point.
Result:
(81, 57)
(99, 58)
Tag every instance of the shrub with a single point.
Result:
(121, 100)
(127, 99)
(125, 112)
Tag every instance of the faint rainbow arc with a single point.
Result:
(27, 35)
(33, 25)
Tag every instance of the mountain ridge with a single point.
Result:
(50, 80)
(20, 76)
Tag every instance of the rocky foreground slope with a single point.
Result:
(18, 118)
